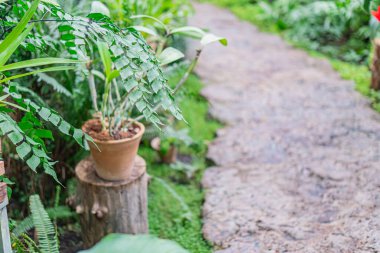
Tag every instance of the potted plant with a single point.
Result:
(28, 134)
(128, 74)
(168, 143)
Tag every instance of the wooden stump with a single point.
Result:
(111, 207)
(375, 81)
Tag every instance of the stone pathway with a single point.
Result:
(297, 165)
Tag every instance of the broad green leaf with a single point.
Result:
(170, 55)
(211, 38)
(23, 150)
(2, 98)
(54, 119)
(78, 135)
(51, 69)
(33, 162)
(53, 2)
(190, 31)
(106, 57)
(150, 17)
(99, 7)
(43, 133)
(123, 243)
(15, 137)
(14, 39)
(12, 46)
(64, 127)
(146, 30)
(37, 62)
(44, 113)
(130, 84)
(114, 74)
(14, 105)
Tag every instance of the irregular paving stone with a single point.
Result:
(297, 165)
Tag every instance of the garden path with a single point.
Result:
(297, 165)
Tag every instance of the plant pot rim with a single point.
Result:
(113, 142)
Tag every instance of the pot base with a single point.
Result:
(85, 171)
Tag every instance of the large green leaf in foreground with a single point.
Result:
(122, 243)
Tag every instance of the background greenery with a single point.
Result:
(339, 31)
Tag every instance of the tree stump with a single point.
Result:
(375, 69)
(111, 207)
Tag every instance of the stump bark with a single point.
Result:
(111, 207)
(375, 69)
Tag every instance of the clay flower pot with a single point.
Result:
(114, 159)
(170, 156)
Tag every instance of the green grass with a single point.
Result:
(166, 214)
(360, 74)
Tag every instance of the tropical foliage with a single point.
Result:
(68, 61)
(28, 134)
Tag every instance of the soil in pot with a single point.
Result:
(114, 156)
(93, 127)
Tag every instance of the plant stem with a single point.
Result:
(94, 96)
(160, 46)
(116, 90)
(105, 102)
(188, 71)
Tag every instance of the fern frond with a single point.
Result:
(59, 212)
(54, 84)
(31, 245)
(44, 227)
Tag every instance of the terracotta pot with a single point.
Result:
(114, 159)
(168, 157)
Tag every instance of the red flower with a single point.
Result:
(376, 14)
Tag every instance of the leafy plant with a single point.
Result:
(45, 230)
(28, 135)
(59, 212)
(171, 137)
(145, 87)
(170, 12)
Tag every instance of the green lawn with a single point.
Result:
(167, 215)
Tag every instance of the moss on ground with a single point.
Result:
(167, 215)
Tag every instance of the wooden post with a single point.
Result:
(111, 207)
(5, 239)
(375, 81)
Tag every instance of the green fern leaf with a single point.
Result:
(55, 213)
(44, 227)
(54, 84)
